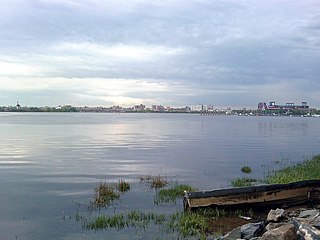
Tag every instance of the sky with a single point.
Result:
(228, 53)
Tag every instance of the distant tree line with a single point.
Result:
(69, 108)
(39, 109)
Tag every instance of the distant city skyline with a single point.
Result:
(175, 53)
(160, 107)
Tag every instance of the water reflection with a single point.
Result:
(50, 161)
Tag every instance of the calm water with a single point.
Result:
(50, 163)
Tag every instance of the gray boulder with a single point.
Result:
(272, 226)
(307, 232)
(275, 215)
(252, 230)
(284, 232)
(316, 223)
(310, 214)
(233, 235)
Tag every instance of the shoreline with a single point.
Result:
(305, 170)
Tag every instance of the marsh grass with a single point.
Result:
(123, 186)
(187, 224)
(196, 224)
(105, 194)
(306, 170)
(246, 169)
(243, 182)
(154, 182)
(171, 194)
(199, 223)
(133, 219)
(184, 224)
(181, 223)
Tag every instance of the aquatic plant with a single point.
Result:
(123, 186)
(154, 182)
(184, 224)
(246, 169)
(306, 170)
(187, 224)
(105, 194)
(171, 194)
(133, 219)
(243, 182)
(196, 224)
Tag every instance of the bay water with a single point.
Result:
(50, 163)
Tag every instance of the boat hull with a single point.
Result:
(257, 196)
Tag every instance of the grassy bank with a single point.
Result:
(182, 225)
(306, 170)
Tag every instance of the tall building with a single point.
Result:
(196, 108)
(288, 106)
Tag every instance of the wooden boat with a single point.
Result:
(256, 196)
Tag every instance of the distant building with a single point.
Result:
(196, 108)
(158, 108)
(262, 106)
(288, 106)
(200, 108)
(140, 107)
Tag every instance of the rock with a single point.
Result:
(291, 214)
(275, 215)
(308, 233)
(251, 230)
(316, 223)
(233, 235)
(296, 222)
(284, 232)
(272, 226)
(213, 238)
(299, 224)
(310, 214)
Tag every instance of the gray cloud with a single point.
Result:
(220, 52)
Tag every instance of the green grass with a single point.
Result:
(123, 186)
(155, 182)
(246, 169)
(170, 195)
(133, 219)
(306, 170)
(243, 182)
(105, 194)
(187, 224)
(198, 223)
(183, 223)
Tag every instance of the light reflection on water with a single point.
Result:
(50, 162)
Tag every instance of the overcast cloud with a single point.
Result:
(228, 53)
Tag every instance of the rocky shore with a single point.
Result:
(280, 224)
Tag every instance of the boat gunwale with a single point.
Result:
(253, 189)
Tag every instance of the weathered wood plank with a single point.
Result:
(290, 194)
